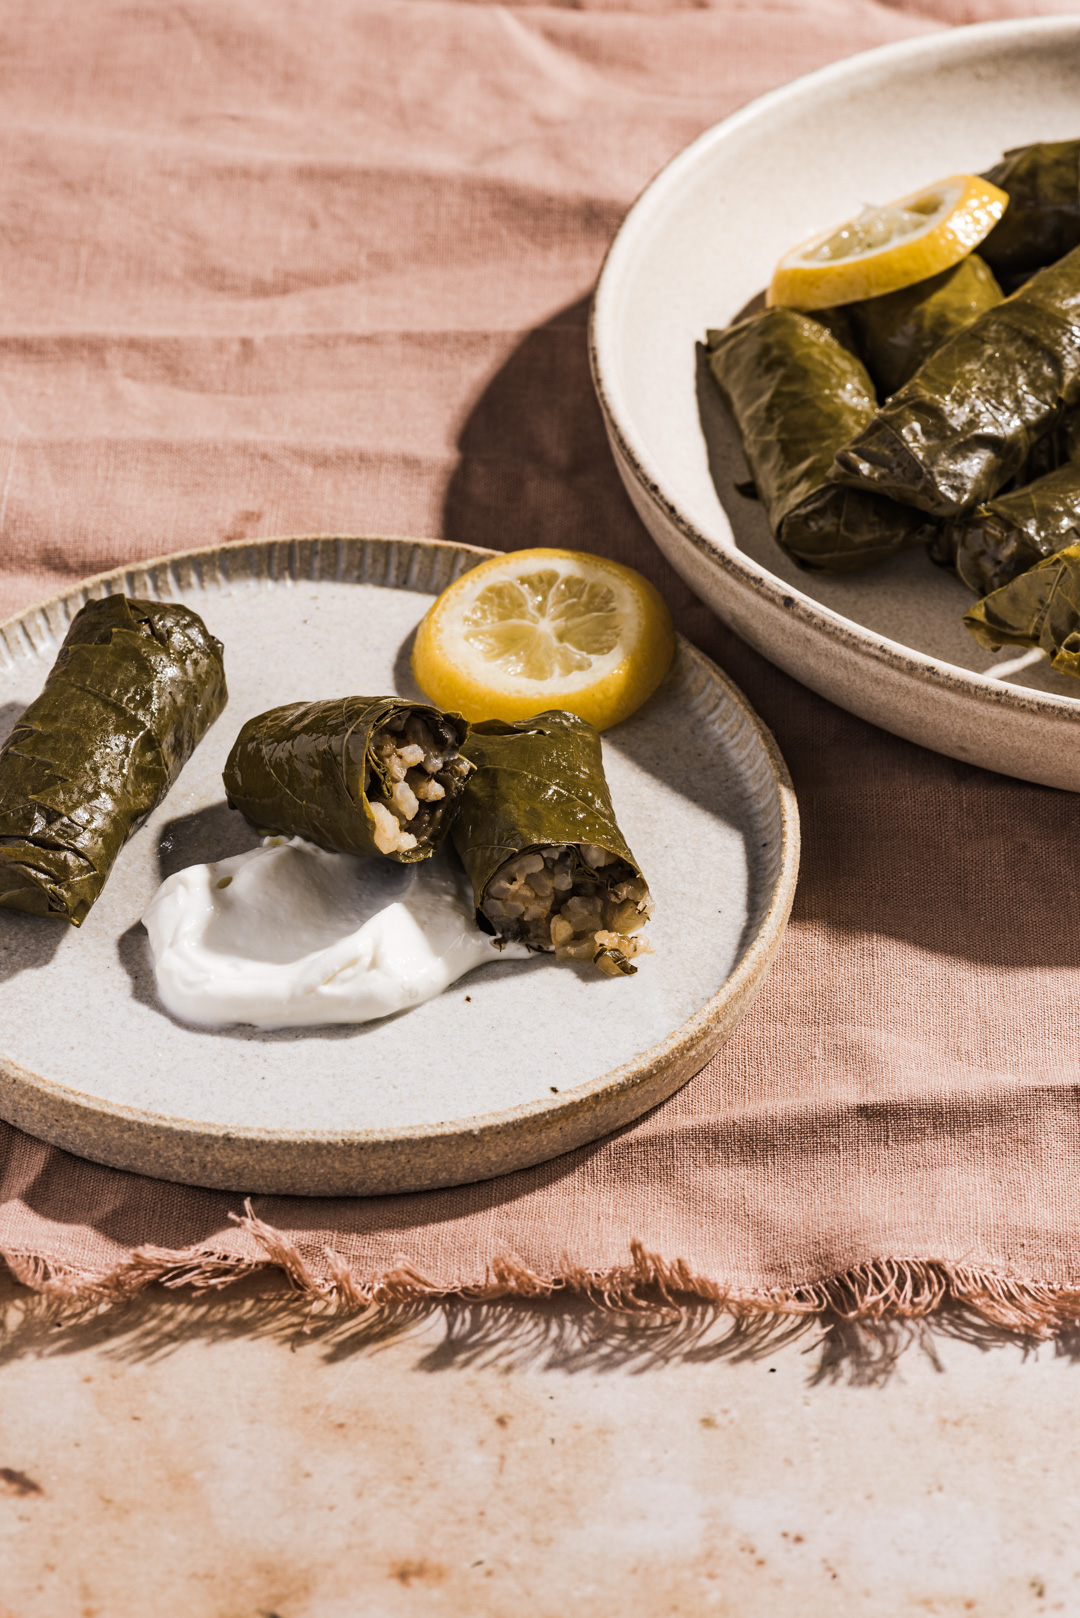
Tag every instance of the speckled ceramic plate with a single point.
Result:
(697, 246)
(516, 1062)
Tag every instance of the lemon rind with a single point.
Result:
(603, 702)
(869, 275)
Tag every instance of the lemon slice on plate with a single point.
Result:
(545, 629)
(886, 248)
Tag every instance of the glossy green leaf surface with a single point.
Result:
(1055, 448)
(898, 331)
(134, 688)
(1039, 608)
(796, 396)
(965, 423)
(1042, 221)
(309, 769)
(838, 323)
(836, 530)
(538, 783)
(1010, 534)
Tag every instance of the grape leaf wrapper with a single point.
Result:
(311, 770)
(135, 686)
(1039, 608)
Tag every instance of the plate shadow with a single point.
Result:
(209, 834)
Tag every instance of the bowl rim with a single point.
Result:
(635, 457)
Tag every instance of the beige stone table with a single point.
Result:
(213, 1460)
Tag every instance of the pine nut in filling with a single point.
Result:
(390, 837)
(421, 761)
(403, 801)
(579, 902)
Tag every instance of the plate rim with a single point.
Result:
(725, 554)
(681, 1045)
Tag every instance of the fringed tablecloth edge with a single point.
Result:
(649, 1286)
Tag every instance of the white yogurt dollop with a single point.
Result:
(289, 936)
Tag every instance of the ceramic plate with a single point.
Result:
(697, 246)
(513, 1064)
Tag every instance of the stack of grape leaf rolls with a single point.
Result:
(527, 802)
(134, 688)
(950, 410)
(802, 385)
(966, 422)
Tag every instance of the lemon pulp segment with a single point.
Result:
(883, 249)
(543, 629)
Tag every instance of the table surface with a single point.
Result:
(212, 1459)
(494, 1461)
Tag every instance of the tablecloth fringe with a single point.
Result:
(648, 1286)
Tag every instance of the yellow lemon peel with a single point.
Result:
(893, 246)
(542, 629)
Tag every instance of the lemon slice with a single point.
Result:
(886, 248)
(545, 629)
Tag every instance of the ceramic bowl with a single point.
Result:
(702, 240)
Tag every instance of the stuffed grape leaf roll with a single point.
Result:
(899, 330)
(1055, 448)
(1039, 608)
(538, 838)
(965, 423)
(1042, 221)
(135, 686)
(356, 775)
(1006, 536)
(796, 396)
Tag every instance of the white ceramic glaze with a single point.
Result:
(697, 246)
(514, 1063)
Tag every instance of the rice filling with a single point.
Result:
(417, 778)
(574, 900)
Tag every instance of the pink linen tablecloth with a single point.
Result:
(277, 266)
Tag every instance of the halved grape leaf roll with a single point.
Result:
(1038, 608)
(135, 686)
(538, 837)
(965, 423)
(797, 395)
(1042, 221)
(357, 775)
